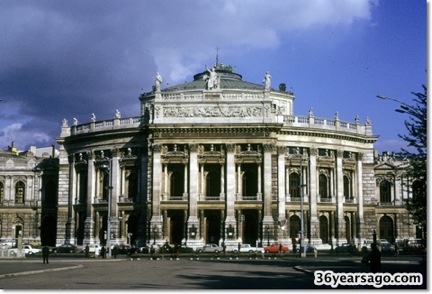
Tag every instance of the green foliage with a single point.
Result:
(417, 138)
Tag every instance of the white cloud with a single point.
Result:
(21, 137)
(235, 25)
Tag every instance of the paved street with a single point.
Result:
(205, 273)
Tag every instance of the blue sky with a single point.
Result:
(66, 59)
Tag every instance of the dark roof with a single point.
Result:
(228, 80)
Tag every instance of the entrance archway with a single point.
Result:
(386, 228)
(176, 226)
(294, 226)
(323, 223)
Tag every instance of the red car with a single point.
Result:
(275, 248)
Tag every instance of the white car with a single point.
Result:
(249, 249)
(211, 248)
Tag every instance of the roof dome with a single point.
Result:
(227, 80)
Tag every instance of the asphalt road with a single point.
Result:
(166, 274)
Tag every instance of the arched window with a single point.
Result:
(347, 188)
(323, 187)
(385, 191)
(294, 185)
(1, 192)
(250, 180)
(19, 192)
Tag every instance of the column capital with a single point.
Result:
(268, 147)
(193, 147)
(230, 147)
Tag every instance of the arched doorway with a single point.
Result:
(323, 223)
(294, 226)
(176, 226)
(213, 226)
(386, 228)
(250, 227)
(132, 228)
(348, 229)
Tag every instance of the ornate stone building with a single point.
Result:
(222, 160)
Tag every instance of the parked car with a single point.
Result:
(27, 250)
(387, 248)
(346, 248)
(309, 248)
(211, 248)
(415, 245)
(65, 248)
(249, 249)
(124, 249)
(94, 248)
(275, 248)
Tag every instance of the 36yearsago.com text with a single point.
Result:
(377, 280)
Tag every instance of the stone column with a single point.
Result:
(166, 181)
(222, 187)
(230, 193)
(259, 196)
(268, 221)
(115, 193)
(239, 182)
(185, 192)
(89, 232)
(341, 229)
(313, 197)
(156, 219)
(359, 190)
(281, 191)
(193, 186)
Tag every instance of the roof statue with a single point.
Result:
(158, 82)
(267, 81)
(212, 79)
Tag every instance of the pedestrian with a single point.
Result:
(280, 248)
(103, 252)
(294, 245)
(45, 254)
(87, 251)
(374, 259)
(115, 251)
(364, 260)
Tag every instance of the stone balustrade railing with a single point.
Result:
(329, 124)
(288, 120)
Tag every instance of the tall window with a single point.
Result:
(347, 188)
(385, 192)
(323, 187)
(19, 192)
(1, 192)
(294, 185)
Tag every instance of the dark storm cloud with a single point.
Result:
(65, 59)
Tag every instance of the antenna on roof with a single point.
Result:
(217, 56)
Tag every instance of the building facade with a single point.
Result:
(222, 160)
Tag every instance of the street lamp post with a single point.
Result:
(268, 235)
(405, 107)
(108, 243)
(110, 187)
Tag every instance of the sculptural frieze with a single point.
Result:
(253, 111)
